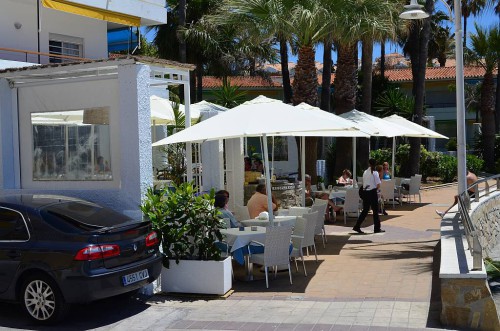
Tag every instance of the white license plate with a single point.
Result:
(135, 277)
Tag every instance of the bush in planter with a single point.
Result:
(447, 168)
(187, 223)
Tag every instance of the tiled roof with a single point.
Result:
(445, 73)
(243, 81)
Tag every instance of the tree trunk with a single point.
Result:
(488, 120)
(382, 59)
(345, 99)
(182, 24)
(418, 72)
(497, 106)
(199, 81)
(285, 73)
(363, 144)
(305, 89)
(326, 82)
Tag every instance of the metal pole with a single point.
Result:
(303, 168)
(268, 182)
(459, 57)
(189, 147)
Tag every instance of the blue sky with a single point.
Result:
(487, 19)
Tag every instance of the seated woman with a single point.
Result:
(386, 174)
(345, 179)
(221, 203)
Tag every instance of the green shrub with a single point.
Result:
(187, 223)
(475, 164)
(402, 160)
(447, 168)
(451, 145)
(429, 163)
(381, 155)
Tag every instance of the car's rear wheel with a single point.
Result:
(42, 299)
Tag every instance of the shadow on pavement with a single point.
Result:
(81, 317)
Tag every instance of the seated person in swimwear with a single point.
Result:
(310, 196)
(221, 204)
(258, 202)
(471, 179)
(386, 174)
(345, 179)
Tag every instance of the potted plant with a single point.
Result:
(189, 227)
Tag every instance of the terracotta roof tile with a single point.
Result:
(446, 73)
(243, 81)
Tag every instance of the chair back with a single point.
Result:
(387, 189)
(311, 226)
(277, 245)
(298, 211)
(415, 182)
(398, 180)
(351, 202)
(320, 218)
(314, 188)
(322, 186)
(242, 213)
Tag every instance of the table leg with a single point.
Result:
(248, 268)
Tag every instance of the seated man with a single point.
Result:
(258, 202)
(310, 196)
(471, 179)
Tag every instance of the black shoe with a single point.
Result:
(379, 231)
(384, 212)
(358, 230)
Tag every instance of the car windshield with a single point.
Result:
(87, 215)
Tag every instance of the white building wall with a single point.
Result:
(93, 32)
(128, 100)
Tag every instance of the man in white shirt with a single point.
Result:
(371, 183)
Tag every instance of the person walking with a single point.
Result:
(371, 184)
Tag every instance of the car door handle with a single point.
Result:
(13, 254)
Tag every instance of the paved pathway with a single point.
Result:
(382, 281)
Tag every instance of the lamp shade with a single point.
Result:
(413, 11)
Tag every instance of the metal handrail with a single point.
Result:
(59, 56)
(464, 205)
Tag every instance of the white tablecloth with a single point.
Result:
(278, 220)
(237, 239)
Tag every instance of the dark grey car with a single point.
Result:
(57, 250)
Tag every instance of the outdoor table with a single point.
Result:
(239, 240)
(278, 221)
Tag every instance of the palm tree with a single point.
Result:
(416, 45)
(356, 20)
(469, 7)
(485, 52)
(441, 41)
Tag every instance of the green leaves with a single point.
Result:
(187, 222)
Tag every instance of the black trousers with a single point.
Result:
(370, 200)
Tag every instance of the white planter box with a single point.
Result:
(204, 277)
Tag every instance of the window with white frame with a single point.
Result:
(71, 145)
(64, 45)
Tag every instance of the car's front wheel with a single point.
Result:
(42, 299)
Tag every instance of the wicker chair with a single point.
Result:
(319, 228)
(351, 203)
(242, 213)
(414, 189)
(276, 250)
(303, 237)
(298, 211)
(387, 188)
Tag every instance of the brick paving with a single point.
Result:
(384, 281)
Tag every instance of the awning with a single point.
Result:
(92, 12)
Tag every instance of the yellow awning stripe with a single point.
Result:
(92, 12)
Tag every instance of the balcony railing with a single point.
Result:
(13, 54)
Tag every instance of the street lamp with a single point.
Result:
(414, 11)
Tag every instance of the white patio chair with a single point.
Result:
(298, 211)
(314, 188)
(351, 203)
(319, 228)
(397, 189)
(387, 190)
(276, 250)
(414, 188)
(241, 213)
(322, 186)
(227, 222)
(303, 237)
(360, 180)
